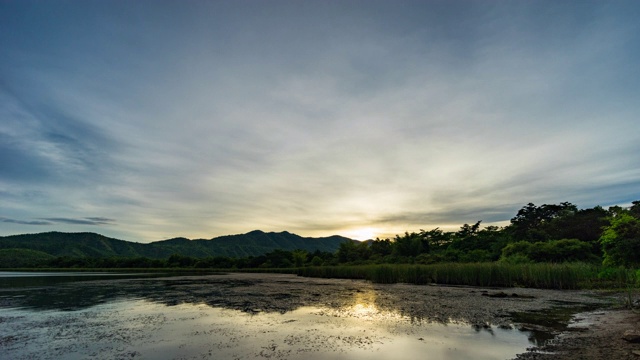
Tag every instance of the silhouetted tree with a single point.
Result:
(381, 248)
(634, 210)
(351, 251)
(410, 245)
(531, 223)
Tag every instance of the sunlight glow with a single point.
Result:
(367, 233)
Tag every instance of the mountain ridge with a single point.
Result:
(89, 244)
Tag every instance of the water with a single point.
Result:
(142, 319)
(9, 279)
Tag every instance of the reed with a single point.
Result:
(539, 275)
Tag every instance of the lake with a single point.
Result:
(251, 316)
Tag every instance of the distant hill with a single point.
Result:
(254, 243)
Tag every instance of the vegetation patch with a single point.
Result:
(552, 246)
(23, 258)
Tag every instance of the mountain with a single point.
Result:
(254, 243)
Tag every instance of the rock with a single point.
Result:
(636, 352)
(500, 294)
(522, 296)
(632, 336)
(479, 326)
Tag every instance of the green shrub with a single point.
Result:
(549, 251)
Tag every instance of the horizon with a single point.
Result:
(152, 120)
(182, 237)
(363, 233)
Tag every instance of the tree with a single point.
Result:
(621, 241)
(486, 244)
(616, 210)
(278, 259)
(467, 230)
(435, 238)
(381, 248)
(465, 238)
(177, 260)
(316, 261)
(325, 257)
(352, 251)
(634, 210)
(549, 251)
(519, 248)
(410, 245)
(299, 257)
(561, 250)
(585, 225)
(532, 222)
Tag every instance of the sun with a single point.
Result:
(366, 233)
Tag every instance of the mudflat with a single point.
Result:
(597, 335)
(559, 324)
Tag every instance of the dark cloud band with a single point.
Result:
(23, 222)
(71, 221)
(82, 221)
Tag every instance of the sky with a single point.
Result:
(147, 120)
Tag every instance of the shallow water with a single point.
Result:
(134, 325)
(27, 274)
(12, 279)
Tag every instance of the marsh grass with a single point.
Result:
(540, 275)
(621, 278)
(565, 276)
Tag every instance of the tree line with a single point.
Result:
(546, 233)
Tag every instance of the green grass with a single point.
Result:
(540, 275)
(566, 276)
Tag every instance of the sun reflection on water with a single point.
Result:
(360, 322)
(365, 310)
(363, 306)
(364, 302)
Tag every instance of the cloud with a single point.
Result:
(23, 222)
(311, 116)
(52, 221)
(82, 221)
(20, 165)
(40, 143)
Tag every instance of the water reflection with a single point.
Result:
(141, 328)
(363, 305)
(32, 279)
(352, 316)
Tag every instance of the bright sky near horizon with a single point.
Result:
(145, 120)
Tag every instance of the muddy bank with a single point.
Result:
(596, 335)
(543, 314)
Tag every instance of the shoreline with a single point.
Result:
(595, 335)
